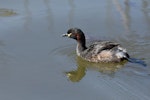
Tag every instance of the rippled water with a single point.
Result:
(36, 63)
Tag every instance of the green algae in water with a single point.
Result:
(7, 12)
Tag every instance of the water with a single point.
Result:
(36, 63)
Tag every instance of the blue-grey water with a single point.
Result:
(36, 63)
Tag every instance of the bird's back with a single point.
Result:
(104, 51)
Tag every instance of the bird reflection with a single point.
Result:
(82, 66)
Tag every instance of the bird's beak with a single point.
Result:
(66, 35)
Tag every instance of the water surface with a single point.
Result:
(36, 63)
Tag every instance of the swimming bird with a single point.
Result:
(99, 51)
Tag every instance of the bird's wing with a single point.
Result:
(97, 47)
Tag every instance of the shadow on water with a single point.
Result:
(71, 13)
(82, 66)
(28, 17)
(146, 11)
(138, 61)
(29, 14)
(5, 57)
(124, 14)
(49, 16)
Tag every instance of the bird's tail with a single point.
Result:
(122, 54)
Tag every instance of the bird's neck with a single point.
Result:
(81, 46)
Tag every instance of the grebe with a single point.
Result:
(100, 51)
